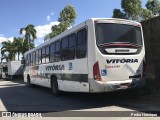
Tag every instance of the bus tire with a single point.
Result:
(54, 87)
(29, 82)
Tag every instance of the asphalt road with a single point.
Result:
(17, 96)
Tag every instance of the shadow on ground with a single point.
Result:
(19, 97)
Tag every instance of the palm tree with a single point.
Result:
(8, 47)
(20, 46)
(30, 34)
(17, 43)
(5, 56)
(24, 47)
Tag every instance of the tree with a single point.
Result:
(30, 34)
(20, 46)
(118, 14)
(9, 48)
(146, 14)
(17, 43)
(132, 10)
(66, 19)
(67, 16)
(153, 6)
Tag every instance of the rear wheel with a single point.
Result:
(29, 82)
(54, 85)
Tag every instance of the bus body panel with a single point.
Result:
(72, 75)
(120, 71)
(116, 71)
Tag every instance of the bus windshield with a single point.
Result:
(118, 33)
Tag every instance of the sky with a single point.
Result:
(16, 14)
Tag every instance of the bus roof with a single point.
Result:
(63, 34)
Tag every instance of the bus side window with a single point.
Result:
(39, 56)
(29, 59)
(72, 46)
(64, 49)
(34, 58)
(57, 52)
(52, 52)
(47, 54)
(43, 55)
(81, 44)
(26, 59)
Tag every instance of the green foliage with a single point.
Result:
(153, 6)
(146, 14)
(30, 34)
(118, 14)
(9, 48)
(132, 10)
(68, 15)
(66, 19)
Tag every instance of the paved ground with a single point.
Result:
(16, 96)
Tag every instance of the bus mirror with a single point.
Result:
(23, 61)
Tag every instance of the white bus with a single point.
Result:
(98, 55)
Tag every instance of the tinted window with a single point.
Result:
(57, 51)
(39, 56)
(107, 33)
(52, 52)
(64, 51)
(29, 59)
(72, 46)
(47, 54)
(43, 55)
(36, 57)
(5, 69)
(81, 44)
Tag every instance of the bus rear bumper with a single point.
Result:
(98, 86)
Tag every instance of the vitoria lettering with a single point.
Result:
(122, 61)
(55, 67)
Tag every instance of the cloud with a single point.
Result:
(2, 39)
(49, 16)
(43, 30)
(11, 39)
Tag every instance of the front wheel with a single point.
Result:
(55, 88)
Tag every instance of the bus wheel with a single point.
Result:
(55, 89)
(29, 82)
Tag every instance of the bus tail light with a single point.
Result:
(96, 72)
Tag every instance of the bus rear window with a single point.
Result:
(118, 33)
